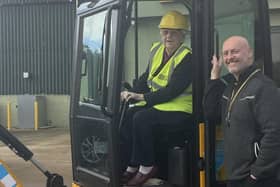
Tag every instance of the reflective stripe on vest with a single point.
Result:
(181, 103)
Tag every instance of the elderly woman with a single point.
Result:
(163, 97)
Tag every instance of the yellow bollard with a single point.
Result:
(75, 185)
(202, 152)
(9, 118)
(36, 117)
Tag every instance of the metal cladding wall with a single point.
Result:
(36, 36)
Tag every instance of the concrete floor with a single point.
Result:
(51, 147)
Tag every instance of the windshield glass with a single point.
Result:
(92, 58)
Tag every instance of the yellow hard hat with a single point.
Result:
(173, 20)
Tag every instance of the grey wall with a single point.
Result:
(36, 37)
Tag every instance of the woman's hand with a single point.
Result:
(126, 95)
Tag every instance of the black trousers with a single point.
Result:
(248, 182)
(137, 133)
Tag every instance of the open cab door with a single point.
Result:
(95, 93)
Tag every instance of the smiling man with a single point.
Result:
(247, 104)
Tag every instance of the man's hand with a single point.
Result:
(216, 68)
(126, 95)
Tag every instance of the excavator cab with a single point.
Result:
(112, 42)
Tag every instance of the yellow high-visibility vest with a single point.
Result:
(181, 103)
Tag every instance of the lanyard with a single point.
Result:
(235, 94)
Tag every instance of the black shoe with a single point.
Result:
(126, 176)
(141, 178)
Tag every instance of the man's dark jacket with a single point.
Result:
(254, 118)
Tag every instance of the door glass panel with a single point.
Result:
(92, 58)
(237, 19)
(231, 18)
(93, 149)
(275, 38)
(274, 6)
(92, 140)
